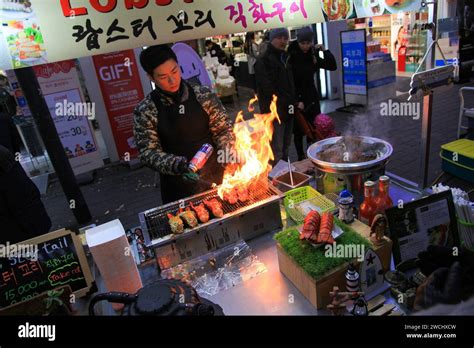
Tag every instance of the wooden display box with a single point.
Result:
(316, 290)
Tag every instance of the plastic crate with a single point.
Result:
(299, 195)
(458, 159)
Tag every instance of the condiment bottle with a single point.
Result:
(367, 208)
(383, 200)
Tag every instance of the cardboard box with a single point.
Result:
(317, 290)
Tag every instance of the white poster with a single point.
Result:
(62, 92)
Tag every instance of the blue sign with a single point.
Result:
(354, 64)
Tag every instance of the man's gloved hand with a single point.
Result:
(191, 177)
(442, 286)
(182, 167)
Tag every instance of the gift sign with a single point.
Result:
(122, 90)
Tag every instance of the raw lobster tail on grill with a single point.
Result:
(324, 235)
(215, 207)
(311, 225)
(201, 211)
(189, 217)
(176, 224)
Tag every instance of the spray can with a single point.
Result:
(201, 157)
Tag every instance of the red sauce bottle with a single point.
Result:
(383, 200)
(367, 209)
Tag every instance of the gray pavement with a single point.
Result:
(120, 193)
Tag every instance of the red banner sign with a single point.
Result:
(122, 90)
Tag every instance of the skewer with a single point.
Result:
(291, 173)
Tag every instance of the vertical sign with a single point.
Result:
(122, 90)
(62, 91)
(354, 65)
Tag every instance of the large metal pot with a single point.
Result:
(352, 174)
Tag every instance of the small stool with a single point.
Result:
(464, 112)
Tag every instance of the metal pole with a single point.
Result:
(428, 107)
(426, 137)
(40, 111)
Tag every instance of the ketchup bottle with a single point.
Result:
(383, 200)
(367, 208)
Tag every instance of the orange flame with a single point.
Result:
(253, 151)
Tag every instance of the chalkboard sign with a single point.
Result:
(52, 260)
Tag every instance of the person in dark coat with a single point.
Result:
(274, 77)
(9, 136)
(216, 51)
(22, 214)
(305, 62)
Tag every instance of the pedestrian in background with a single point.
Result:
(305, 62)
(251, 49)
(274, 77)
(216, 51)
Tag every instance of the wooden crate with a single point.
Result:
(316, 290)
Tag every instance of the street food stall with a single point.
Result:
(336, 234)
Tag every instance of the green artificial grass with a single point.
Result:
(312, 259)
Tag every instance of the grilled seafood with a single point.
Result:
(189, 217)
(325, 230)
(215, 207)
(201, 212)
(311, 225)
(231, 197)
(176, 224)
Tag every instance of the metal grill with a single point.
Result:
(155, 221)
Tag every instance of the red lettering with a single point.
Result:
(167, 2)
(131, 4)
(68, 11)
(108, 7)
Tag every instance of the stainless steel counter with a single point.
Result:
(270, 293)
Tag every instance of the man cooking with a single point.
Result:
(174, 121)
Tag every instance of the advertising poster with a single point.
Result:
(122, 90)
(62, 91)
(354, 63)
(21, 38)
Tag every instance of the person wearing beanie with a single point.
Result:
(305, 62)
(174, 121)
(274, 77)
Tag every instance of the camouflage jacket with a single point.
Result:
(146, 135)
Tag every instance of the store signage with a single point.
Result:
(47, 31)
(73, 28)
(62, 91)
(52, 261)
(122, 90)
(354, 63)
(426, 81)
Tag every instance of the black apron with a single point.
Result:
(183, 135)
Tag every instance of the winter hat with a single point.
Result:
(305, 34)
(277, 32)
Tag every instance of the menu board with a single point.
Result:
(57, 259)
